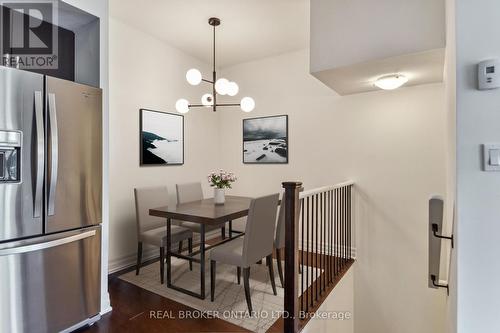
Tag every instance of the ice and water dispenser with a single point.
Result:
(10, 156)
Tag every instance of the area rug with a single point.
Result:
(229, 304)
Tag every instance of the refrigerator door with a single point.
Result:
(74, 155)
(50, 283)
(22, 150)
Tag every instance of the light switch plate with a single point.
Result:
(490, 150)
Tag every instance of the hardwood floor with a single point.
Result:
(132, 307)
(138, 310)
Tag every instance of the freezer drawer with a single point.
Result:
(50, 283)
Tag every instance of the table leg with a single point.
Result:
(230, 229)
(202, 263)
(169, 255)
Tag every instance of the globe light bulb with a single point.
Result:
(221, 86)
(232, 89)
(193, 77)
(182, 106)
(247, 104)
(207, 100)
(391, 82)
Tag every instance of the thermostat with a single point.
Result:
(489, 74)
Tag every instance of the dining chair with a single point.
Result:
(190, 192)
(257, 243)
(279, 239)
(152, 230)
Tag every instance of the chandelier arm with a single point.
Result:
(204, 106)
(208, 81)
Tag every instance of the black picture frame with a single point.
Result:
(286, 140)
(150, 159)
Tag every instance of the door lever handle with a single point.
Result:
(435, 230)
(437, 285)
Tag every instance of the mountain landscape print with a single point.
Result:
(162, 138)
(265, 140)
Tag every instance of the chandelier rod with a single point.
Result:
(214, 77)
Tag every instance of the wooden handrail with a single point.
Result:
(309, 193)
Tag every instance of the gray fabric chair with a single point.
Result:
(257, 243)
(279, 239)
(151, 229)
(190, 192)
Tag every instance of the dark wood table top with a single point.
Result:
(205, 211)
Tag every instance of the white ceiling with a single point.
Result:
(250, 29)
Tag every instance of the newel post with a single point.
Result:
(291, 306)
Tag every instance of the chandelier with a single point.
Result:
(220, 86)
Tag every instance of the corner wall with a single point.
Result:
(478, 192)
(100, 9)
(392, 144)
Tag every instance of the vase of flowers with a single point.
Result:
(220, 181)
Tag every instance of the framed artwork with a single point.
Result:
(265, 140)
(161, 138)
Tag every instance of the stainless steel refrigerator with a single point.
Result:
(50, 202)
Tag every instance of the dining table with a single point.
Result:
(205, 213)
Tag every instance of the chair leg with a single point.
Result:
(238, 273)
(162, 264)
(246, 283)
(212, 279)
(139, 258)
(180, 247)
(190, 249)
(280, 267)
(223, 231)
(269, 262)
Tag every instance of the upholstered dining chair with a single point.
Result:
(152, 230)
(190, 192)
(279, 239)
(256, 244)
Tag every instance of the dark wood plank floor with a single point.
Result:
(133, 308)
(131, 313)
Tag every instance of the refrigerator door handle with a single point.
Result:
(46, 245)
(40, 154)
(54, 153)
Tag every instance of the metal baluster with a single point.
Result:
(323, 248)
(330, 234)
(350, 221)
(337, 222)
(343, 227)
(302, 257)
(316, 251)
(311, 240)
(307, 257)
(320, 220)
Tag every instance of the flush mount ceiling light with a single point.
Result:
(220, 86)
(391, 82)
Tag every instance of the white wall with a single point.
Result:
(147, 73)
(100, 9)
(392, 144)
(478, 192)
(449, 257)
